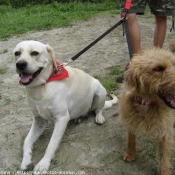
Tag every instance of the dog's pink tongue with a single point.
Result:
(170, 98)
(25, 78)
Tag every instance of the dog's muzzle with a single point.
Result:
(169, 99)
(26, 78)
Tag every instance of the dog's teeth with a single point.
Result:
(172, 104)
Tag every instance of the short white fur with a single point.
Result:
(58, 101)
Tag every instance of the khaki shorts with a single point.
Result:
(158, 7)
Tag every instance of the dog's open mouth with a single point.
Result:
(169, 99)
(26, 78)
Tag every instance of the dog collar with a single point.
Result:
(60, 74)
(141, 101)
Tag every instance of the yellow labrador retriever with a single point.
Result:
(70, 96)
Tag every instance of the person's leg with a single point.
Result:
(160, 31)
(134, 32)
(137, 7)
(161, 9)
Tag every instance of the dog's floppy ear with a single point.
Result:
(52, 54)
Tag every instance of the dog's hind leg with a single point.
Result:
(98, 103)
(129, 154)
(165, 149)
(36, 130)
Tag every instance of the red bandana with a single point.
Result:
(60, 74)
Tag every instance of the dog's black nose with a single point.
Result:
(21, 65)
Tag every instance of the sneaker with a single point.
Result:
(120, 77)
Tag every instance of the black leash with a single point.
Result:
(172, 27)
(125, 25)
(126, 31)
(98, 39)
(94, 42)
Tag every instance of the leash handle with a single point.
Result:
(128, 5)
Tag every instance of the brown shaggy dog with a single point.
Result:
(146, 102)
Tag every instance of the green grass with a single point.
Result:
(45, 17)
(3, 70)
(109, 80)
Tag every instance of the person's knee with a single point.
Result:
(130, 16)
(160, 19)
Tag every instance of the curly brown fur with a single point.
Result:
(172, 47)
(151, 77)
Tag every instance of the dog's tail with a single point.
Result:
(110, 103)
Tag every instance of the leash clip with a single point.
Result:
(125, 13)
(65, 64)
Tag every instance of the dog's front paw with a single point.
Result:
(25, 163)
(42, 167)
(128, 157)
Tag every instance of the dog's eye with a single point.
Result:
(17, 53)
(159, 69)
(34, 53)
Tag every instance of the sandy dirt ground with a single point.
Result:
(86, 148)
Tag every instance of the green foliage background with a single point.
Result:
(23, 3)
